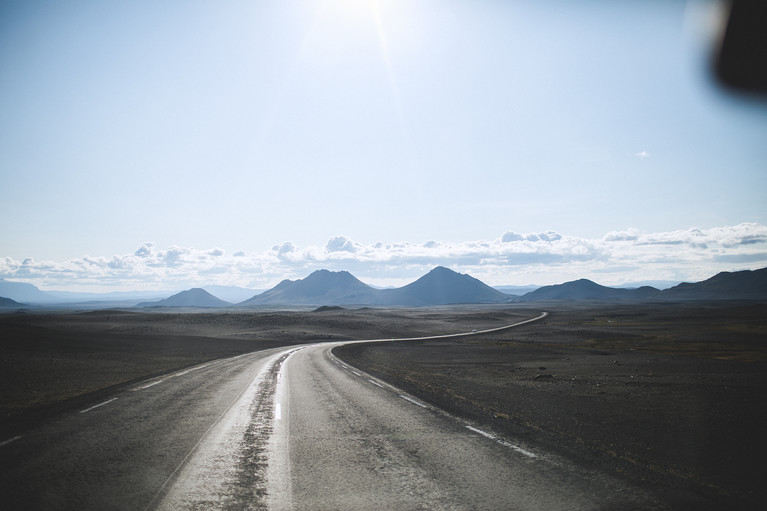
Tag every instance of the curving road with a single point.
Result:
(285, 429)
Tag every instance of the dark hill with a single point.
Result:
(7, 302)
(329, 308)
(739, 285)
(442, 286)
(321, 287)
(584, 289)
(195, 297)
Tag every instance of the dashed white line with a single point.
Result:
(355, 372)
(502, 442)
(412, 401)
(376, 383)
(6, 442)
(100, 404)
(150, 385)
(277, 411)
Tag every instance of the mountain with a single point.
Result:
(322, 287)
(8, 303)
(21, 291)
(584, 289)
(442, 286)
(739, 285)
(191, 298)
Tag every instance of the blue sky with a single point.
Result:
(237, 142)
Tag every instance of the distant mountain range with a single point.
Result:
(441, 286)
(585, 289)
(23, 292)
(195, 297)
(741, 285)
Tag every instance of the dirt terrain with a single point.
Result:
(53, 360)
(671, 395)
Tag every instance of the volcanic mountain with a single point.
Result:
(438, 287)
(195, 297)
(584, 289)
(442, 286)
(322, 287)
(739, 285)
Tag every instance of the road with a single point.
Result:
(285, 428)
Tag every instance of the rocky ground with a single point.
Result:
(669, 395)
(50, 360)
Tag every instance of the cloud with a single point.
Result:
(284, 249)
(511, 236)
(630, 234)
(341, 244)
(145, 250)
(546, 257)
(642, 155)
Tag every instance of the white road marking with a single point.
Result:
(173, 375)
(376, 383)
(10, 440)
(502, 442)
(277, 412)
(355, 372)
(413, 401)
(100, 404)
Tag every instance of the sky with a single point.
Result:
(166, 145)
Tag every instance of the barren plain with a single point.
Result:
(670, 395)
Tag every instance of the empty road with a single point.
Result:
(285, 428)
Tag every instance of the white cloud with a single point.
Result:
(145, 250)
(513, 258)
(629, 234)
(341, 244)
(642, 155)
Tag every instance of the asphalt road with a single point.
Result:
(122, 452)
(286, 428)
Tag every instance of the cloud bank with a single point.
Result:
(514, 258)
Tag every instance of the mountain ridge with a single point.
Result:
(441, 286)
(195, 297)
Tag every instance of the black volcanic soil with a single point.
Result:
(672, 396)
(56, 360)
(669, 395)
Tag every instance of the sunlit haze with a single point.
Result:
(166, 145)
